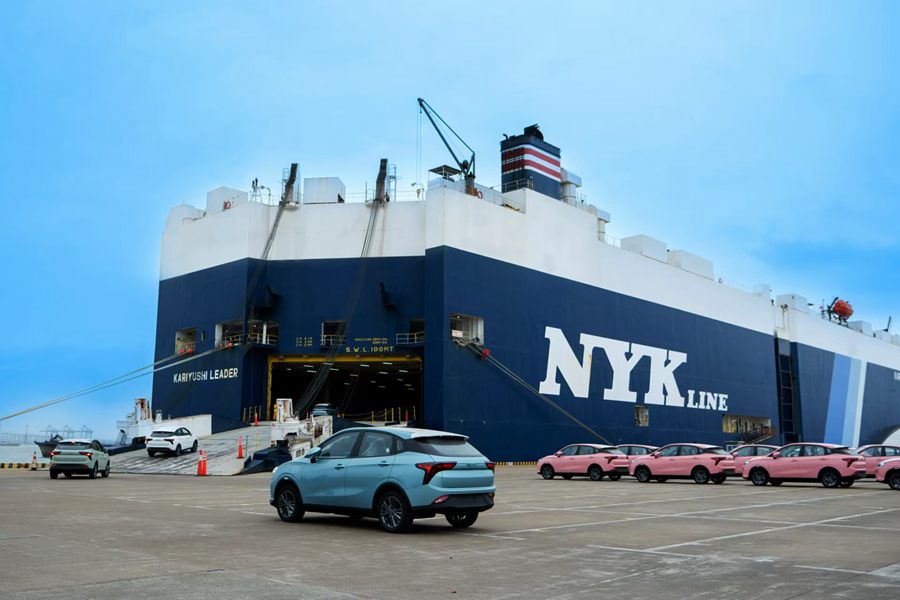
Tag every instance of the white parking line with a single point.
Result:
(770, 530)
(831, 569)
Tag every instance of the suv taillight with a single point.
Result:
(88, 454)
(54, 452)
(850, 460)
(170, 440)
(489, 465)
(432, 469)
(718, 459)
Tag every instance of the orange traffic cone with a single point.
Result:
(240, 447)
(256, 418)
(407, 416)
(34, 462)
(200, 464)
(204, 462)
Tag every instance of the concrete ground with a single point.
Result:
(146, 536)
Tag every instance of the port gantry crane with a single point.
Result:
(466, 165)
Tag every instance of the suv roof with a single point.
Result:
(410, 432)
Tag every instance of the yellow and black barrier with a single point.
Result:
(22, 465)
(527, 463)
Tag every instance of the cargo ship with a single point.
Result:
(509, 315)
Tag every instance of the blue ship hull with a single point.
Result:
(737, 370)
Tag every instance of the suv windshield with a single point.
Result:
(446, 446)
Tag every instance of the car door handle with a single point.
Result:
(338, 466)
(384, 464)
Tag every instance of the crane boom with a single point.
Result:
(466, 166)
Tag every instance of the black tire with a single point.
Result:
(775, 482)
(661, 479)
(178, 450)
(105, 472)
(547, 472)
(893, 480)
(567, 476)
(759, 477)
(393, 512)
(642, 474)
(847, 483)
(194, 447)
(718, 479)
(700, 475)
(614, 476)
(289, 503)
(54, 474)
(93, 472)
(461, 520)
(595, 473)
(830, 478)
(151, 453)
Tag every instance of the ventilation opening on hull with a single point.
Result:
(748, 429)
(641, 416)
(466, 328)
(333, 333)
(379, 388)
(185, 340)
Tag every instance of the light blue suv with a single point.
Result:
(395, 474)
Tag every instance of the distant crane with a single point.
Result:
(466, 165)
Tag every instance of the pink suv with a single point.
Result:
(592, 460)
(874, 454)
(701, 462)
(744, 453)
(888, 471)
(830, 464)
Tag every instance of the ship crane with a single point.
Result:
(466, 165)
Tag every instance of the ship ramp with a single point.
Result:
(221, 451)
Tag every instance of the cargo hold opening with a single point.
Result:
(374, 388)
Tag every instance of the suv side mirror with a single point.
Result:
(313, 454)
(775, 454)
(559, 453)
(655, 454)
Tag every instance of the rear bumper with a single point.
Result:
(71, 468)
(467, 502)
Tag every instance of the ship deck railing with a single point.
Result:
(412, 338)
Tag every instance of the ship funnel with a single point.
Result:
(530, 162)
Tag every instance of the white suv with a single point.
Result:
(171, 442)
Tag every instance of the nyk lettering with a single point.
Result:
(208, 375)
(622, 357)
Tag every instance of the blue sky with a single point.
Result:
(762, 135)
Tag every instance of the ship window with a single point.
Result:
(466, 328)
(262, 332)
(641, 415)
(229, 332)
(185, 340)
(333, 333)
(754, 426)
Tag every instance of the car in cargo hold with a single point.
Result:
(701, 462)
(79, 457)
(829, 464)
(591, 460)
(394, 474)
